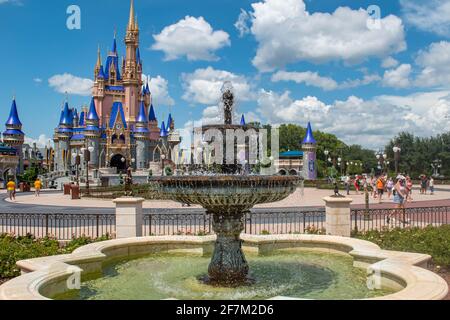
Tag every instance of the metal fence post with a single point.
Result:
(46, 224)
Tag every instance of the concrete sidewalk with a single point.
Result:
(309, 197)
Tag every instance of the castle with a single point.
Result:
(120, 127)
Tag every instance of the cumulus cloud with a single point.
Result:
(41, 142)
(326, 83)
(287, 33)
(398, 78)
(203, 86)
(360, 121)
(71, 84)
(435, 64)
(159, 87)
(389, 62)
(430, 16)
(191, 37)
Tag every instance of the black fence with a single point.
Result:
(69, 226)
(377, 219)
(59, 226)
(288, 222)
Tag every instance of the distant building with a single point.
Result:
(290, 163)
(309, 146)
(11, 157)
(120, 125)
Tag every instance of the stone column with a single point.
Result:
(128, 217)
(338, 216)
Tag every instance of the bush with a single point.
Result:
(434, 241)
(13, 249)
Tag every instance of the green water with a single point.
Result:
(300, 275)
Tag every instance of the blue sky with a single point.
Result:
(328, 62)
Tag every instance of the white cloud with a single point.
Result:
(41, 142)
(430, 16)
(435, 64)
(359, 121)
(159, 87)
(389, 62)
(288, 33)
(191, 37)
(309, 78)
(314, 79)
(398, 78)
(37, 80)
(203, 86)
(242, 23)
(71, 84)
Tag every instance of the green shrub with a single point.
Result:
(434, 241)
(13, 249)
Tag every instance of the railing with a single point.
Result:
(69, 226)
(377, 219)
(59, 226)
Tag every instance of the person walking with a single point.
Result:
(423, 184)
(380, 188)
(37, 187)
(409, 186)
(348, 181)
(389, 187)
(400, 194)
(431, 185)
(11, 187)
(356, 184)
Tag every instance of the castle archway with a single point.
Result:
(118, 163)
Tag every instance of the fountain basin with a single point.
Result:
(399, 271)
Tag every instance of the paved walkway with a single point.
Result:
(307, 198)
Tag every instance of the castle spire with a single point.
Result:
(13, 119)
(114, 46)
(131, 22)
(309, 138)
(99, 57)
(136, 25)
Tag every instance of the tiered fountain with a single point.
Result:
(227, 196)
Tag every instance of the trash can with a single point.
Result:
(67, 187)
(75, 192)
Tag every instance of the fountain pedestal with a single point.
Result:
(228, 265)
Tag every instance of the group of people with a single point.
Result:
(380, 185)
(11, 188)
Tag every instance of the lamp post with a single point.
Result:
(436, 165)
(382, 160)
(87, 158)
(397, 151)
(77, 166)
(163, 157)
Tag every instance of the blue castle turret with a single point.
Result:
(309, 146)
(92, 133)
(13, 136)
(243, 123)
(142, 138)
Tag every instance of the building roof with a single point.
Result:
(243, 123)
(117, 108)
(163, 133)
(13, 119)
(169, 122)
(82, 119)
(67, 118)
(142, 117)
(112, 59)
(14, 132)
(77, 137)
(292, 154)
(101, 73)
(115, 88)
(92, 115)
(152, 115)
(309, 138)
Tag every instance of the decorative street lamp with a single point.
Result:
(436, 165)
(77, 166)
(397, 151)
(163, 157)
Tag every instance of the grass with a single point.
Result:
(434, 241)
